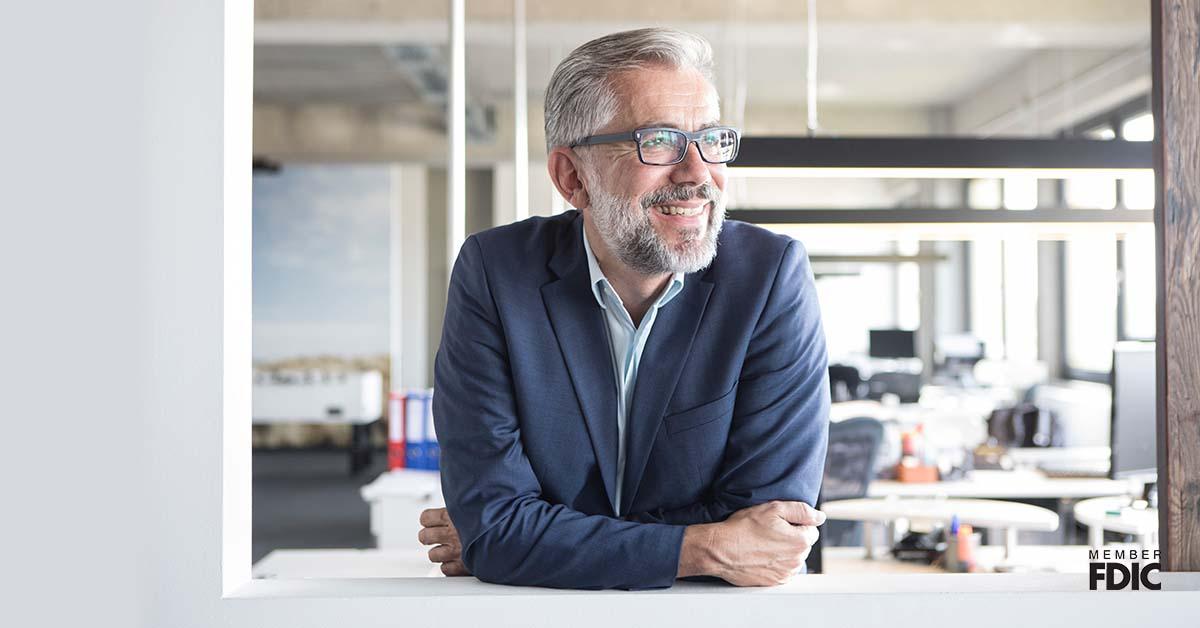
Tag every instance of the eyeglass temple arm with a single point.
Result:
(604, 139)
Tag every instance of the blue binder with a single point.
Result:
(432, 451)
(414, 430)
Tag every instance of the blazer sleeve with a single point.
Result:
(509, 534)
(779, 431)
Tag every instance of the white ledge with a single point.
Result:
(856, 585)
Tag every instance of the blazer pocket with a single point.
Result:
(701, 414)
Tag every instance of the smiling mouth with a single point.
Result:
(676, 210)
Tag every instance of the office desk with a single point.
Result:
(1005, 485)
(1008, 517)
(1094, 513)
(1026, 484)
(844, 561)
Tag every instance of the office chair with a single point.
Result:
(849, 468)
(847, 376)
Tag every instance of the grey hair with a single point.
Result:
(580, 98)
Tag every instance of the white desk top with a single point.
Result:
(839, 561)
(405, 483)
(1003, 485)
(983, 513)
(1094, 512)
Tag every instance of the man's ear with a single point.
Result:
(563, 164)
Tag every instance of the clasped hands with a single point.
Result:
(761, 545)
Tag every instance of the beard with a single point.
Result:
(627, 229)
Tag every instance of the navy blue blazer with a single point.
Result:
(730, 408)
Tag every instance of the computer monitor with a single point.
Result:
(893, 343)
(1134, 426)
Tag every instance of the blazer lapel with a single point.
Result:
(666, 350)
(579, 326)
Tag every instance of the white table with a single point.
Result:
(1021, 484)
(1094, 513)
(1004, 485)
(841, 561)
(396, 499)
(322, 398)
(982, 513)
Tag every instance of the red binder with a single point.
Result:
(397, 407)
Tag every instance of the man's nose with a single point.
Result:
(692, 170)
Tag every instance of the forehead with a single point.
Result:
(675, 97)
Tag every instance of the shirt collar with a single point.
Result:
(600, 283)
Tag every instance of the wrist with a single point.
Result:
(696, 556)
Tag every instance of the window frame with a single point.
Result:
(237, 600)
(1113, 119)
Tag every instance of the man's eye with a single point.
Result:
(658, 139)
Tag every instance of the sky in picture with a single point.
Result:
(321, 261)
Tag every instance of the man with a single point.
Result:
(617, 404)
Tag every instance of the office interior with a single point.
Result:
(990, 327)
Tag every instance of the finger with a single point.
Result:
(800, 513)
(435, 517)
(455, 568)
(439, 535)
(810, 536)
(445, 554)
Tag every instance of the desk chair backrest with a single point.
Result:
(849, 467)
(850, 461)
(847, 376)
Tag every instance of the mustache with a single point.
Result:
(705, 191)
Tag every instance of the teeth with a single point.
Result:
(680, 211)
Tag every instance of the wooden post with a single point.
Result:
(1175, 34)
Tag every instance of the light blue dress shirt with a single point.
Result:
(626, 343)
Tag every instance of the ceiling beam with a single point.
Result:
(941, 152)
(927, 216)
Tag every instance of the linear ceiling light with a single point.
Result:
(937, 157)
(813, 172)
(964, 231)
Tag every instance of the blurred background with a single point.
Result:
(988, 319)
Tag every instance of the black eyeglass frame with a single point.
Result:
(636, 135)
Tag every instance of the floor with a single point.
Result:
(305, 498)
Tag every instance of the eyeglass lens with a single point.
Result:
(665, 147)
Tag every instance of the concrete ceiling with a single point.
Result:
(872, 52)
(1073, 11)
(363, 71)
(351, 74)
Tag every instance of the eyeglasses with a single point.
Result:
(661, 146)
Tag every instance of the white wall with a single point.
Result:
(111, 243)
(111, 230)
(409, 278)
